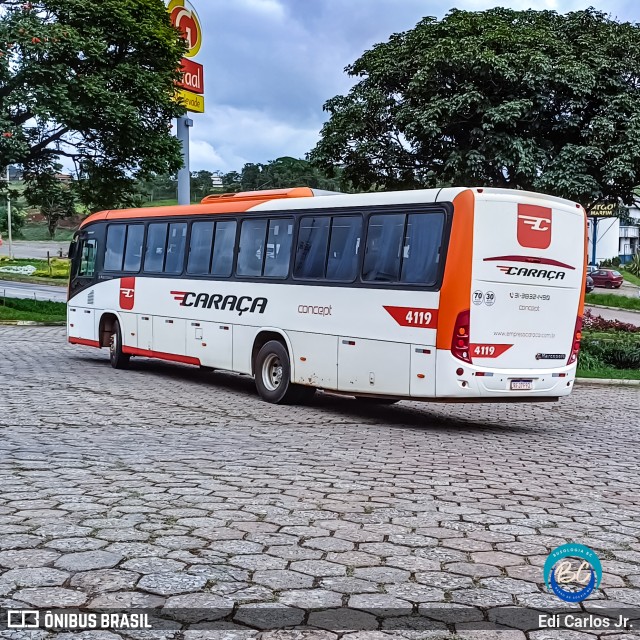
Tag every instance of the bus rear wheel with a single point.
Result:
(273, 376)
(117, 358)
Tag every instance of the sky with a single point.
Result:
(270, 65)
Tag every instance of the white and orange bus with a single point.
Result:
(453, 294)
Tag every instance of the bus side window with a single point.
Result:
(200, 247)
(88, 259)
(279, 242)
(251, 250)
(383, 251)
(421, 251)
(342, 262)
(225, 240)
(311, 252)
(176, 246)
(156, 245)
(133, 250)
(114, 251)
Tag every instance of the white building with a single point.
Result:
(614, 239)
(630, 237)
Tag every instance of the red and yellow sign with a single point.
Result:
(184, 17)
(190, 90)
(192, 101)
(193, 76)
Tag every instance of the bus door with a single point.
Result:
(81, 314)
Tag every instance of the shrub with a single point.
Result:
(619, 353)
(587, 361)
(633, 267)
(597, 323)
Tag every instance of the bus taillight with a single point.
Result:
(460, 341)
(575, 345)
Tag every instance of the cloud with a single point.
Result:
(227, 137)
(270, 65)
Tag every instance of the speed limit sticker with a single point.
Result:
(478, 297)
(489, 298)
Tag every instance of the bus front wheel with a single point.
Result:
(273, 376)
(117, 358)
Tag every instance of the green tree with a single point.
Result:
(18, 213)
(154, 186)
(231, 182)
(284, 173)
(55, 199)
(201, 184)
(92, 82)
(520, 99)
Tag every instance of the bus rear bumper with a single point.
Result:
(486, 382)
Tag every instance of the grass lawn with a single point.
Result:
(617, 374)
(612, 300)
(38, 311)
(57, 269)
(39, 232)
(629, 277)
(168, 202)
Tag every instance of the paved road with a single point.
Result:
(633, 317)
(33, 249)
(627, 289)
(12, 289)
(167, 487)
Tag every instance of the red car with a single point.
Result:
(607, 278)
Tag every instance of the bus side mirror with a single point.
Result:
(72, 250)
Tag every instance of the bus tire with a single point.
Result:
(273, 375)
(378, 401)
(117, 358)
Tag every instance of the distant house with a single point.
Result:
(63, 177)
(15, 174)
(616, 239)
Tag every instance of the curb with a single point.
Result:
(609, 381)
(30, 323)
(601, 306)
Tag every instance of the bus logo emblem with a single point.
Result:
(534, 226)
(127, 293)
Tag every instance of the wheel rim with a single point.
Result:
(113, 343)
(272, 372)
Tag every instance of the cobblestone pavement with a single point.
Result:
(170, 488)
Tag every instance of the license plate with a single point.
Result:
(521, 385)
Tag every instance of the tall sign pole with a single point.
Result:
(190, 91)
(9, 230)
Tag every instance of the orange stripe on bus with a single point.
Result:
(84, 342)
(584, 266)
(455, 294)
(224, 203)
(160, 355)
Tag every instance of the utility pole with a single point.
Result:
(594, 240)
(9, 217)
(184, 175)
(190, 89)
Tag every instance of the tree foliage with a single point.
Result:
(279, 174)
(521, 99)
(55, 198)
(92, 82)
